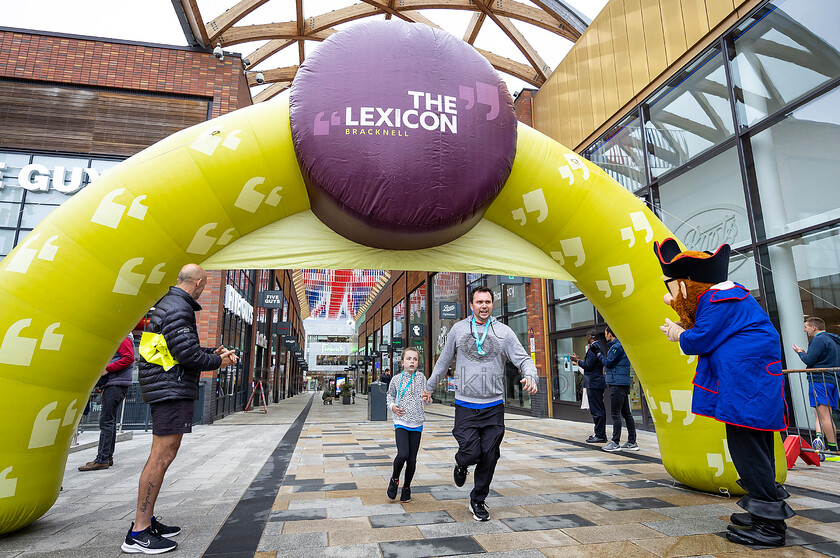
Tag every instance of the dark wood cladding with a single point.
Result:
(55, 118)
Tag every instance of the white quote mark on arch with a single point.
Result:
(24, 256)
(18, 350)
(681, 401)
(45, 429)
(718, 460)
(533, 201)
(639, 223)
(202, 241)
(570, 248)
(128, 282)
(566, 171)
(250, 199)
(8, 485)
(208, 140)
(619, 275)
(109, 213)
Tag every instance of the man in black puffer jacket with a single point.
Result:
(170, 395)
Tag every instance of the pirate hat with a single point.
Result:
(679, 265)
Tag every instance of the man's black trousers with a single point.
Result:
(598, 411)
(112, 396)
(479, 433)
(620, 407)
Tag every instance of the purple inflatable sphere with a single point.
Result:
(404, 134)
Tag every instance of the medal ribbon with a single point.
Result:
(479, 343)
(401, 391)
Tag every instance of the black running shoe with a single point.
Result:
(479, 510)
(405, 495)
(460, 475)
(162, 530)
(393, 484)
(146, 542)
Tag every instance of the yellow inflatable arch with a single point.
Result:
(229, 194)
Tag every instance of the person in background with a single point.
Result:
(595, 384)
(617, 368)
(823, 352)
(385, 378)
(115, 381)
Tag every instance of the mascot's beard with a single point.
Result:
(686, 306)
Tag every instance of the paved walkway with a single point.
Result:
(309, 480)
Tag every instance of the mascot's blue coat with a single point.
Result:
(739, 375)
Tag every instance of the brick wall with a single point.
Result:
(105, 63)
(523, 105)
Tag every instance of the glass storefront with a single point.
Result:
(446, 290)
(417, 315)
(230, 390)
(32, 186)
(742, 148)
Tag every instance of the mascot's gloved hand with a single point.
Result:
(671, 330)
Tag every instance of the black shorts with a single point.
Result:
(173, 416)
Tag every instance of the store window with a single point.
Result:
(446, 290)
(806, 282)
(705, 207)
(620, 154)
(567, 380)
(417, 315)
(689, 116)
(385, 339)
(797, 167)
(789, 48)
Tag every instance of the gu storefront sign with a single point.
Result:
(36, 177)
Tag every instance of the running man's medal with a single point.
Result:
(479, 343)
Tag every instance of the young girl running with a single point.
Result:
(404, 401)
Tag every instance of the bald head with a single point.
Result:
(192, 279)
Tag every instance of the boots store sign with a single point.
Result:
(40, 178)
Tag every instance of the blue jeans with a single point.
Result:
(112, 396)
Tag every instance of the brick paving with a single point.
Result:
(552, 495)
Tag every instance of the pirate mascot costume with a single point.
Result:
(738, 380)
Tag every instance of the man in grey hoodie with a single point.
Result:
(481, 344)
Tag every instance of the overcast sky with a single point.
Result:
(155, 21)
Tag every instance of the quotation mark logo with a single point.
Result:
(483, 94)
(24, 255)
(202, 241)
(533, 201)
(109, 213)
(18, 350)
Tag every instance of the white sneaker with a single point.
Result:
(630, 446)
(612, 446)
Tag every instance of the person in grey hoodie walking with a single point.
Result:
(482, 344)
(405, 401)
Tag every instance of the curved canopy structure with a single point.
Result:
(251, 23)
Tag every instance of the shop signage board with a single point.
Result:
(417, 330)
(397, 342)
(270, 299)
(450, 310)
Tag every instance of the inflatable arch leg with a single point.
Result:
(77, 284)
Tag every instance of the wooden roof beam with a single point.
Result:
(271, 91)
(196, 24)
(216, 27)
(523, 45)
(271, 47)
(474, 27)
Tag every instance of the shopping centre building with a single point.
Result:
(721, 115)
